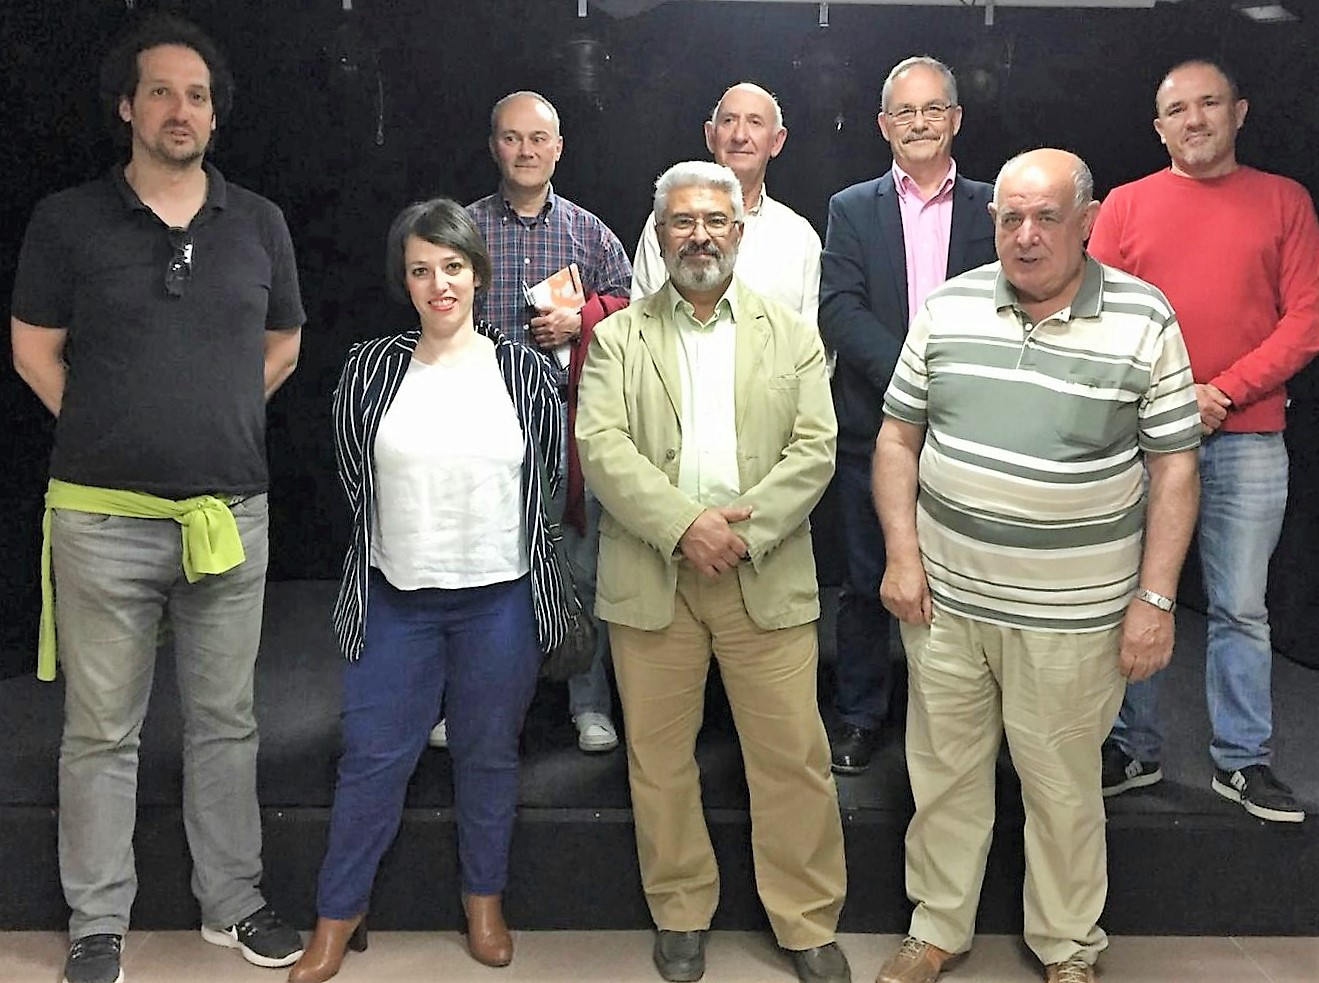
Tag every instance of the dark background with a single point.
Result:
(343, 117)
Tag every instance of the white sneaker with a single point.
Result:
(439, 736)
(595, 732)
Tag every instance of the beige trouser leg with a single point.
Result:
(1056, 695)
(797, 838)
(796, 830)
(954, 724)
(1061, 694)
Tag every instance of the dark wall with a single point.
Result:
(311, 131)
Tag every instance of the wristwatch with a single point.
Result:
(1158, 600)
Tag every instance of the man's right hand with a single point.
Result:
(710, 545)
(905, 591)
(1213, 404)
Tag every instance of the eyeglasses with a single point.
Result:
(716, 225)
(932, 111)
(178, 271)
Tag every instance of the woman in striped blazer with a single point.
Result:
(449, 586)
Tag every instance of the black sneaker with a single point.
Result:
(94, 959)
(1259, 792)
(1119, 772)
(262, 938)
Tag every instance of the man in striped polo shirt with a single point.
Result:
(1030, 566)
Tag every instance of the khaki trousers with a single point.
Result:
(1055, 694)
(796, 831)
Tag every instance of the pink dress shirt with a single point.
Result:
(927, 226)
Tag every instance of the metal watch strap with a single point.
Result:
(1158, 600)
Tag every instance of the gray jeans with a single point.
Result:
(115, 578)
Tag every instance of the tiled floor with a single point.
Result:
(624, 957)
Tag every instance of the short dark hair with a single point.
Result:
(1221, 69)
(119, 70)
(442, 222)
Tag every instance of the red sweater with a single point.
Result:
(1238, 257)
(597, 308)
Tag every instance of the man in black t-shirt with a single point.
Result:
(154, 311)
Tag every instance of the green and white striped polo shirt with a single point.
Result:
(1032, 493)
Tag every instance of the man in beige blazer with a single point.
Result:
(706, 428)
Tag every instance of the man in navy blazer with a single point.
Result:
(889, 242)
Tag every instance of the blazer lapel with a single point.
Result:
(890, 230)
(749, 358)
(657, 335)
(960, 235)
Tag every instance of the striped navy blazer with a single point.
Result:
(369, 382)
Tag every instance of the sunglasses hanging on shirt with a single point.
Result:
(179, 269)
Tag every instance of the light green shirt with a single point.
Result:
(707, 356)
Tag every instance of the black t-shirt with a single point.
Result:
(165, 394)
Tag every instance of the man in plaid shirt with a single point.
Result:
(533, 232)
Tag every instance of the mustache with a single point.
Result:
(700, 249)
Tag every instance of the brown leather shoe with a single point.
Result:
(488, 938)
(1073, 970)
(325, 949)
(917, 962)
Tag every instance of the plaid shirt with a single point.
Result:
(527, 250)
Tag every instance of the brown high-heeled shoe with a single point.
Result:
(488, 938)
(325, 949)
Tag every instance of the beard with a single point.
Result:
(1201, 152)
(167, 152)
(700, 276)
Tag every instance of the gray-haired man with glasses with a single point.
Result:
(154, 311)
(890, 241)
(706, 430)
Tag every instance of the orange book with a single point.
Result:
(563, 288)
(560, 289)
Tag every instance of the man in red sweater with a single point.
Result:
(1236, 250)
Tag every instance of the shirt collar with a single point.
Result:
(551, 200)
(906, 184)
(760, 203)
(217, 192)
(1088, 302)
(676, 302)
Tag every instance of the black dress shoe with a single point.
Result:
(853, 749)
(823, 964)
(680, 956)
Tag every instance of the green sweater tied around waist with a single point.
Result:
(211, 543)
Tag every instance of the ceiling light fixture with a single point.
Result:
(1265, 13)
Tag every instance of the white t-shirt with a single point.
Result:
(448, 478)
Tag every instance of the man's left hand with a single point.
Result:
(1146, 643)
(556, 325)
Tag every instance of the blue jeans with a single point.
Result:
(863, 677)
(115, 579)
(1243, 495)
(476, 648)
(588, 692)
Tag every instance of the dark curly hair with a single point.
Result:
(119, 70)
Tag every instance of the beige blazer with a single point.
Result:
(630, 442)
